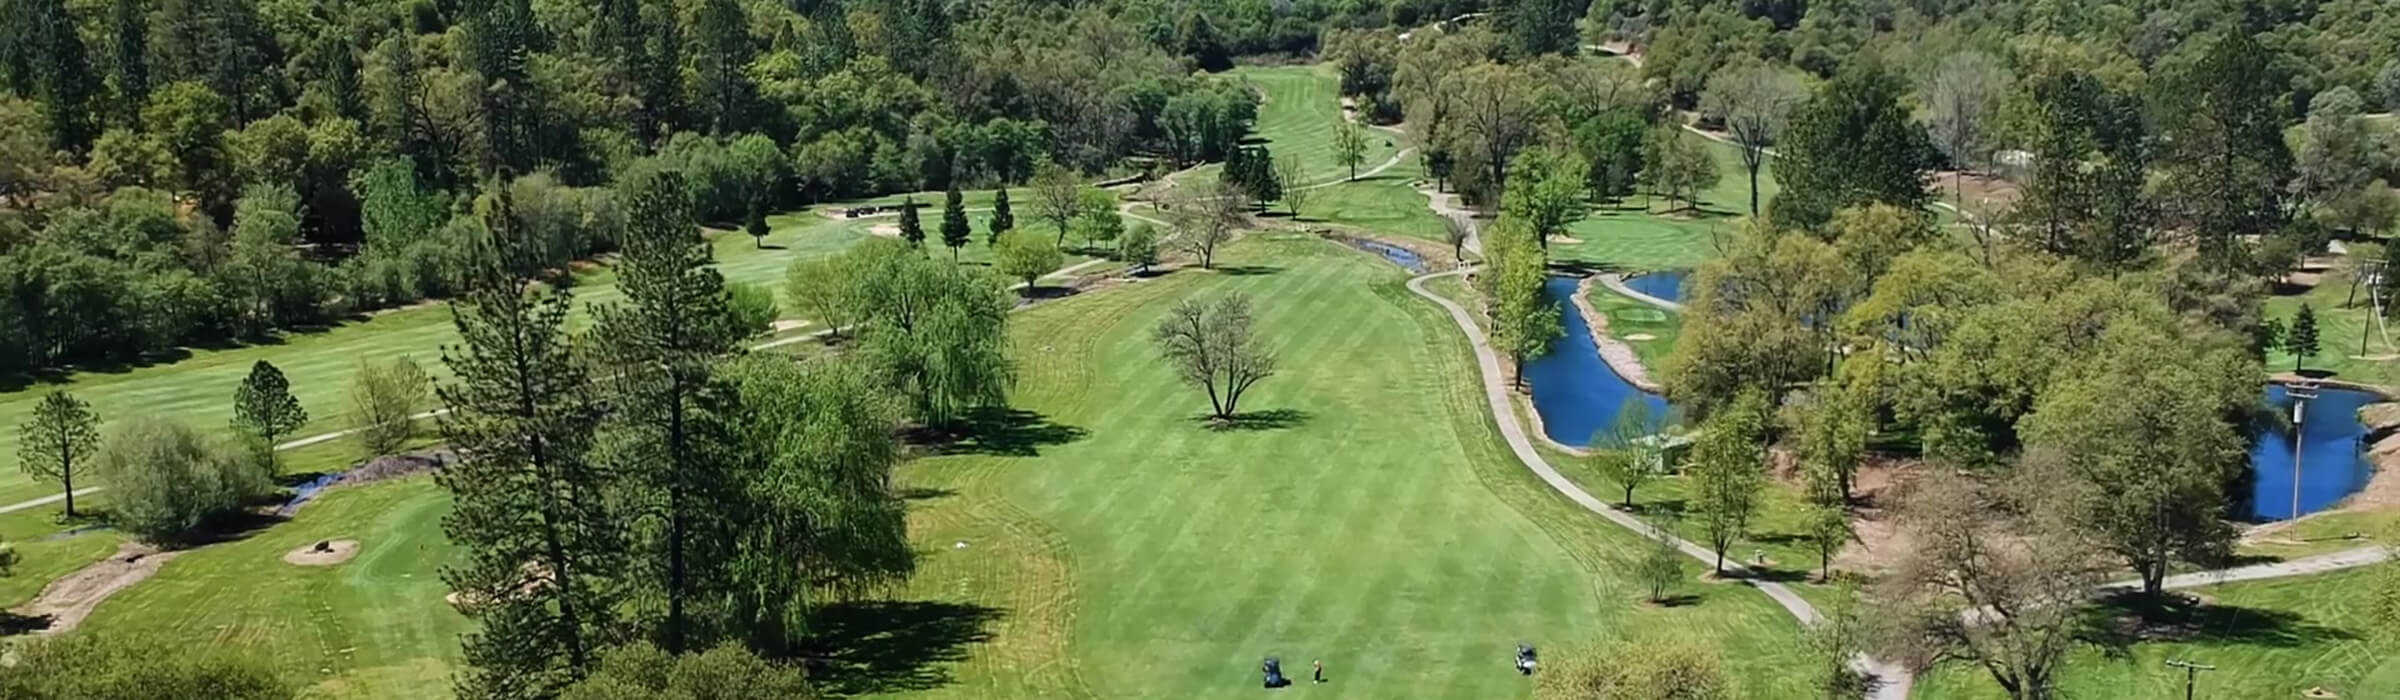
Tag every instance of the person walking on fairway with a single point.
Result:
(1320, 664)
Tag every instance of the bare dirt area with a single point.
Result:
(324, 553)
(1877, 541)
(67, 601)
(886, 230)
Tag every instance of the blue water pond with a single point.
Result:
(1666, 285)
(1575, 391)
(2332, 455)
(1401, 256)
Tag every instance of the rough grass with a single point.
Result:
(2268, 639)
(1338, 528)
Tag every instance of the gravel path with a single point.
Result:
(1894, 681)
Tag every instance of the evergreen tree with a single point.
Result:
(502, 36)
(56, 440)
(221, 43)
(62, 71)
(264, 408)
(1003, 220)
(723, 50)
(2225, 153)
(754, 222)
(1536, 27)
(670, 411)
(911, 229)
(130, 69)
(531, 514)
(2301, 341)
(1853, 143)
(954, 217)
(1199, 40)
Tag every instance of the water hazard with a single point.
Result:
(2331, 464)
(1666, 285)
(1575, 391)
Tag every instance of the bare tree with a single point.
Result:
(1496, 116)
(1456, 229)
(2022, 575)
(1058, 195)
(1960, 97)
(1753, 100)
(1349, 145)
(1210, 345)
(1291, 173)
(1207, 218)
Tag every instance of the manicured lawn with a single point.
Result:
(1630, 236)
(1628, 318)
(1302, 106)
(1115, 546)
(375, 626)
(2268, 639)
(2323, 533)
(2340, 327)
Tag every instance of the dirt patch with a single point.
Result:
(1641, 337)
(323, 553)
(400, 465)
(1877, 541)
(65, 602)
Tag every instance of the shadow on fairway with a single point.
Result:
(1006, 432)
(1277, 419)
(1248, 270)
(2124, 620)
(869, 647)
(919, 493)
(12, 624)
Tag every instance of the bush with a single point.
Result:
(640, 671)
(93, 667)
(1674, 669)
(753, 307)
(166, 479)
(383, 399)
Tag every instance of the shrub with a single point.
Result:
(640, 671)
(1672, 669)
(382, 400)
(94, 667)
(166, 479)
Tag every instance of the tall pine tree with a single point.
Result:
(723, 49)
(2301, 342)
(538, 539)
(954, 216)
(1003, 219)
(669, 425)
(62, 71)
(130, 46)
(912, 229)
(502, 37)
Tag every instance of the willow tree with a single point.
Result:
(935, 333)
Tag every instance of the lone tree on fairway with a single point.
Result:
(1629, 449)
(1058, 196)
(1207, 219)
(912, 229)
(383, 402)
(1210, 345)
(1289, 171)
(1456, 230)
(1003, 219)
(1139, 246)
(56, 441)
(263, 408)
(954, 217)
(1728, 470)
(1350, 145)
(756, 225)
(2301, 342)
(1026, 257)
(1662, 562)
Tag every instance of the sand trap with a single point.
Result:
(71, 598)
(1566, 240)
(1640, 337)
(334, 552)
(886, 230)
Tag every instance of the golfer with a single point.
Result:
(1320, 664)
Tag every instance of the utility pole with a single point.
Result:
(2191, 673)
(2300, 392)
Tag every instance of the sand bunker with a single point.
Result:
(1640, 337)
(886, 230)
(66, 601)
(1565, 240)
(323, 553)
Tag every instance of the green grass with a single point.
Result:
(2268, 639)
(2339, 330)
(375, 626)
(1628, 317)
(1409, 559)
(1630, 236)
(1303, 105)
(2323, 533)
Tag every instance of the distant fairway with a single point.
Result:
(1631, 237)
(1123, 549)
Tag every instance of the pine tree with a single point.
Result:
(754, 222)
(911, 229)
(54, 442)
(1003, 220)
(130, 69)
(723, 50)
(670, 409)
(530, 514)
(954, 217)
(502, 37)
(2301, 341)
(62, 71)
(263, 408)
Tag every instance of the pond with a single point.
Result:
(1667, 284)
(1401, 256)
(2332, 460)
(1575, 391)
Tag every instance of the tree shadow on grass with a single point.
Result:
(920, 493)
(2121, 621)
(12, 624)
(870, 647)
(1248, 270)
(1277, 419)
(1007, 432)
(1677, 600)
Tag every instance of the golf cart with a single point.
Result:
(1525, 659)
(1274, 670)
